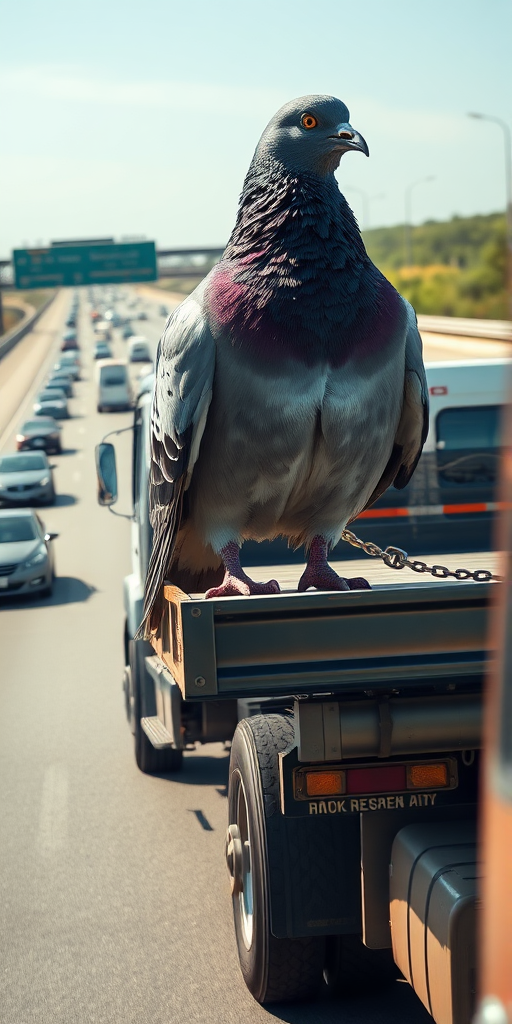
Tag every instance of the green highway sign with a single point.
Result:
(73, 265)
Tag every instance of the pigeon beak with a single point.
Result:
(350, 139)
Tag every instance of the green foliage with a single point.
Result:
(459, 265)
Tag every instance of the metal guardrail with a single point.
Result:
(12, 337)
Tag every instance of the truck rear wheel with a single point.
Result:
(274, 970)
(149, 760)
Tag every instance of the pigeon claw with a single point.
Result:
(325, 578)
(358, 583)
(232, 586)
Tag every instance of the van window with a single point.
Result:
(111, 376)
(468, 445)
(476, 427)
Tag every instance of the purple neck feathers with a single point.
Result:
(295, 279)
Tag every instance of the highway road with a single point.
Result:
(115, 897)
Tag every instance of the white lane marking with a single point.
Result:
(53, 818)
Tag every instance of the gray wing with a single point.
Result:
(412, 428)
(185, 365)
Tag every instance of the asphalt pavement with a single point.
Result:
(114, 892)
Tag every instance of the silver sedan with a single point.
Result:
(26, 554)
(26, 478)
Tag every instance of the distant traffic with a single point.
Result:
(27, 477)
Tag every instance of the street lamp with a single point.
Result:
(367, 199)
(507, 142)
(408, 216)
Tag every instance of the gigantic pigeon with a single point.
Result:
(290, 390)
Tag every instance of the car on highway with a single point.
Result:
(27, 563)
(139, 351)
(25, 478)
(61, 379)
(69, 361)
(103, 329)
(52, 402)
(69, 341)
(43, 433)
(114, 388)
(128, 331)
(71, 320)
(163, 311)
(142, 315)
(102, 350)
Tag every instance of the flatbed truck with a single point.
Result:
(355, 721)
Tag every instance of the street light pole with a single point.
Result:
(408, 216)
(367, 199)
(507, 143)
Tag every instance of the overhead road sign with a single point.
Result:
(72, 265)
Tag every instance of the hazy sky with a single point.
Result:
(124, 117)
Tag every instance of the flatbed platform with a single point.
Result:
(408, 631)
(378, 574)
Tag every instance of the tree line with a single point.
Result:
(458, 266)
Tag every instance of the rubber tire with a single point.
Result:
(149, 760)
(351, 968)
(274, 970)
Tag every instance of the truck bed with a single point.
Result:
(408, 632)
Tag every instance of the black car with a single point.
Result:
(43, 434)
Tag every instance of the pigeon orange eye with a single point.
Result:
(308, 121)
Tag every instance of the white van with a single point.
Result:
(465, 403)
(114, 389)
(138, 350)
(451, 500)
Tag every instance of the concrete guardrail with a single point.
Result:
(12, 337)
(497, 330)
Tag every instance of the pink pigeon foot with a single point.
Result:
(319, 574)
(236, 581)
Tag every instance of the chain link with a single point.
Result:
(396, 558)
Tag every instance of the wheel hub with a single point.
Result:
(234, 859)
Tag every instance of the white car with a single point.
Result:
(114, 388)
(103, 330)
(138, 350)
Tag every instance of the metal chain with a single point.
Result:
(396, 558)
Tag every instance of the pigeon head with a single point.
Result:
(310, 135)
